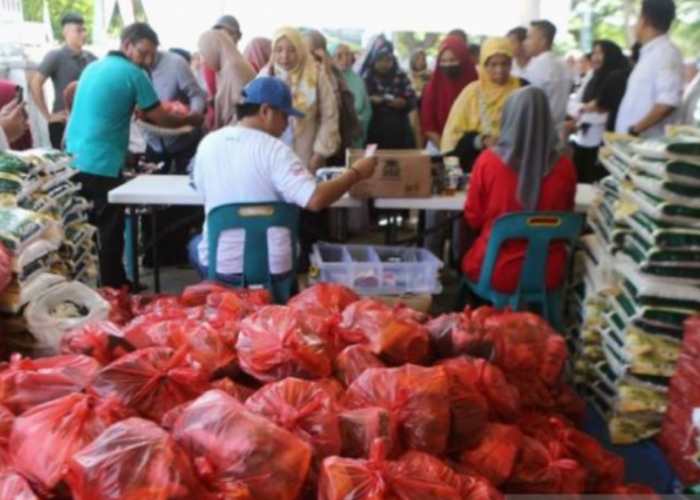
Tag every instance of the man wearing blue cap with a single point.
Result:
(248, 163)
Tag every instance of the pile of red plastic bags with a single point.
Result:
(218, 395)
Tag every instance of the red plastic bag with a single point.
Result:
(5, 267)
(27, 383)
(416, 477)
(353, 361)
(151, 381)
(15, 487)
(133, 460)
(543, 469)
(303, 408)
(324, 299)
(233, 448)
(213, 350)
(468, 408)
(120, 304)
(7, 421)
(556, 354)
(418, 399)
(462, 334)
(148, 303)
(503, 399)
(196, 295)
(323, 304)
(45, 438)
(396, 340)
(567, 402)
(495, 456)
(276, 343)
(521, 342)
(359, 429)
(102, 340)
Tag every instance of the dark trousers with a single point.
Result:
(56, 131)
(588, 167)
(109, 220)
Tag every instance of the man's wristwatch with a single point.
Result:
(632, 131)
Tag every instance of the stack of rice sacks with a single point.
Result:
(639, 277)
(43, 223)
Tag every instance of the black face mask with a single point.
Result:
(451, 71)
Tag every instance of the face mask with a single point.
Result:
(452, 71)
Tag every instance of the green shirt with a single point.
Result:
(99, 124)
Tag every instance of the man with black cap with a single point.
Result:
(229, 25)
(248, 163)
(63, 66)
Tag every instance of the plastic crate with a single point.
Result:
(374, 270)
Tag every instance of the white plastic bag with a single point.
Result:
(44, 314)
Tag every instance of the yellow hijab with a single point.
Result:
(479, 108)
(303, 79)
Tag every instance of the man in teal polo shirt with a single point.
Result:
(98, 134)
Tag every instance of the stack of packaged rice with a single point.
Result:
(43, 224)
(638, 277)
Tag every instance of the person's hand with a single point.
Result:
(375, 99)
(489, 141)
(397, 103)
(316, 162)
(366, 166)
(14, 123)
(9, 107)
(570, 127)
(60, 117)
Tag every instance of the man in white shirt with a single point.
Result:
(517, 37)
(547, 71)
(248, 163)
(655, 87)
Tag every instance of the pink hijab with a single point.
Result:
(258, 52)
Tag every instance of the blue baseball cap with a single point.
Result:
(271, 91)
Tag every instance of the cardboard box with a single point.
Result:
(404, 173)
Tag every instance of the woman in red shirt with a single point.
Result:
(525, 170)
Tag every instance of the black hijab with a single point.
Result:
(613, 60)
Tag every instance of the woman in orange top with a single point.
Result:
(524, 171)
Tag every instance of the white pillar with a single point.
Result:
(529, 11)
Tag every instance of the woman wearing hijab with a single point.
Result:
(474, 122)
(524, 171)
(315, 137)
(392, 97)
(590, 122)
(258, 52)
(343, 60)
(232, 74)
(349, 126)
(454, 72)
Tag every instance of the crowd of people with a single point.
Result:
(262, 121)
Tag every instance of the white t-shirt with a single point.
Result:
(656, 79)
(243, 165)
(547, 72)
(518, 71)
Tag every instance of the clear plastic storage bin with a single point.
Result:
(373, 270)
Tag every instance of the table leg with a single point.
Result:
(421, 228)
(391, 229)
(133, 225)
(154, 249)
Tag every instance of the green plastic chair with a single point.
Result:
(255, 219)
(539, 229)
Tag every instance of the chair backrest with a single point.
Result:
(539, 230)
(255, 219)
